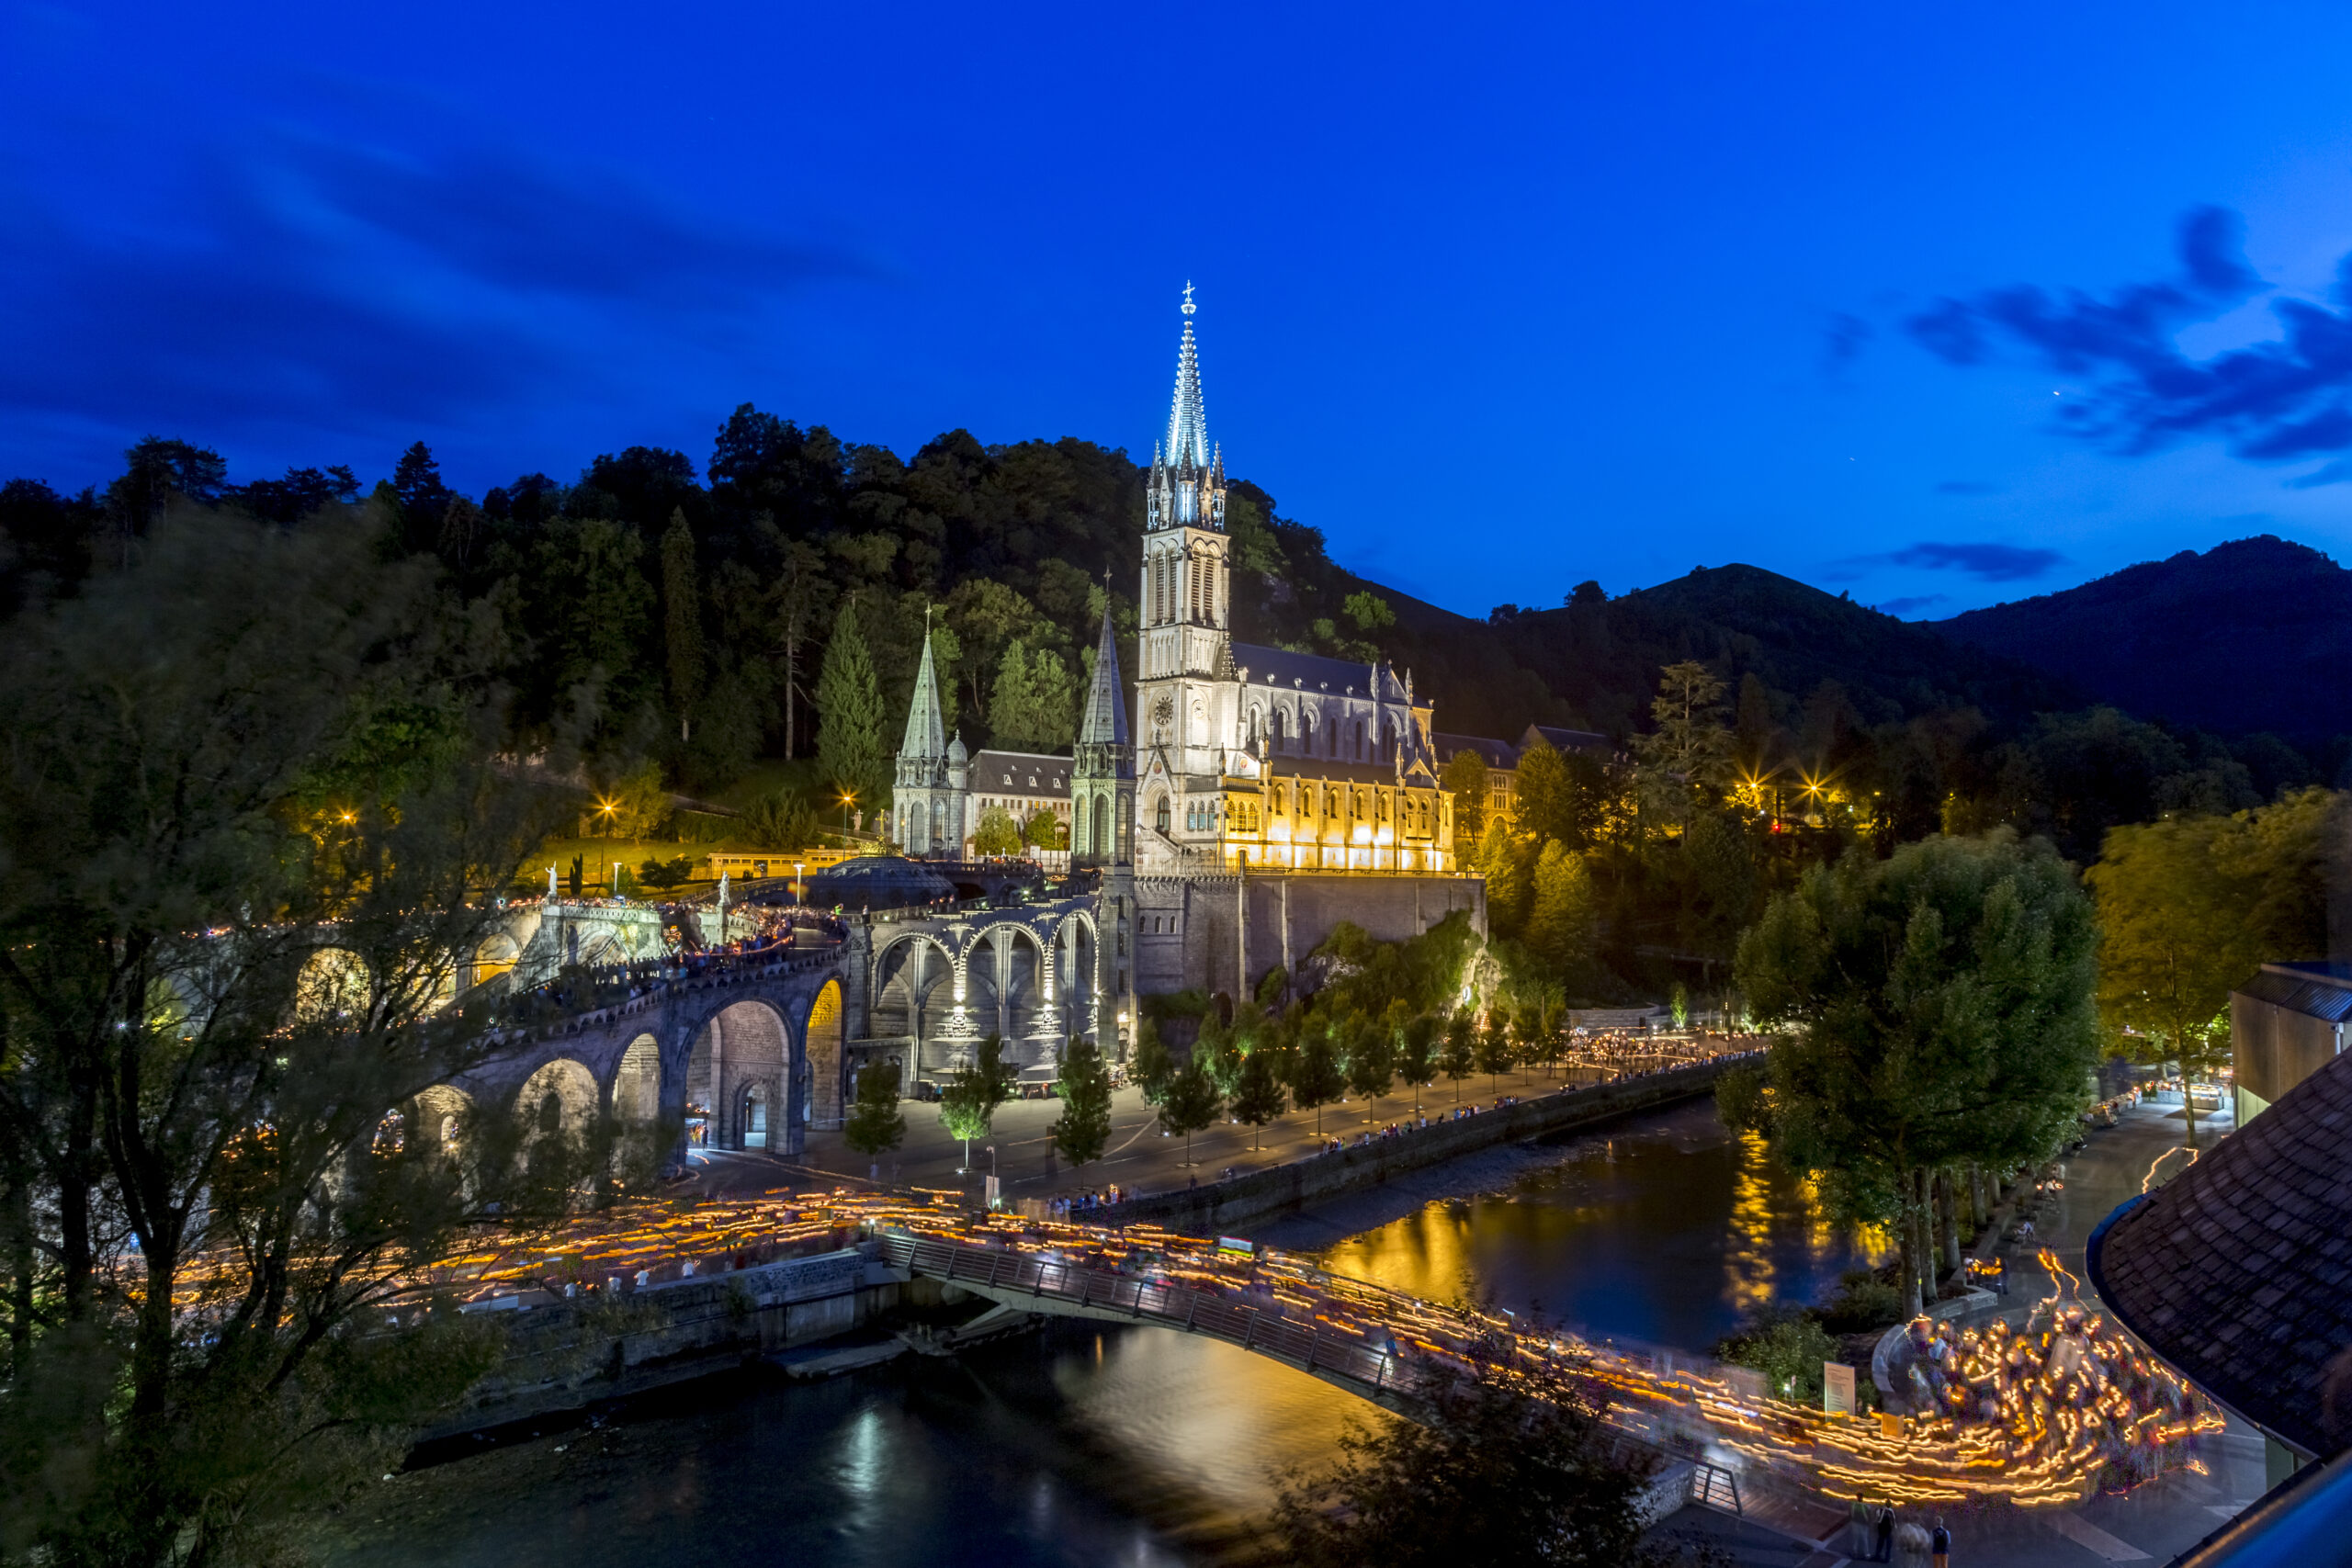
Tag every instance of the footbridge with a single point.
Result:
(1364, 1359)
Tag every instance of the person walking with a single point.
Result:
(1886, 1553)
(1939, 1544)
(1857, 1527)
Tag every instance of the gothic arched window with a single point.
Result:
(1160, 814)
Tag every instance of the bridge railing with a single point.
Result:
(1331, 1350)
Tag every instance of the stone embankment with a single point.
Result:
(1239, 1202)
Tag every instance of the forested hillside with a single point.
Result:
(768, 600)
(2252, 635)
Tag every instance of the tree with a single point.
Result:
(1084, 1130)
(875, 1122)
(969, 1103)
(1034, 702)
(996, 833)
(1561, 919)
(1369, 611)
(1503, 860)
(1460, 1058)
(1044, 830)
(1686, 760)
(1371, 1061)
(635, 805)
(1788, 1347)
(1417, 1052)
(1466, 779)
(1257, 1094)
(780, 822)
(2189, 905)
(682, 619)
(1940, 1012)
(289, 751)
(661, 875)
(1190, 1103)
(1518, 1470)
(849, 704)
(1315, 1076)
(1153, 1064)
(1494, 1053)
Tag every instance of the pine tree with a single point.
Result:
(1084, 1128)
(1559, 925)
(1466, 779)
(849, 704)
(1502, 861)
(1257, 1094)
(1315, 1076)
(1190, 1103)
(1013, 701)
(874, 1123)
(682, 624)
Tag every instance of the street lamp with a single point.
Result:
(849, 798)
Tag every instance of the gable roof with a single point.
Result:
(2238, 1271)
(1565, 739)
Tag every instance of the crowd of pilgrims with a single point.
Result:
(2076, 1380)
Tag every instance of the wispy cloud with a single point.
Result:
(1992, 563)
(1915, 602)
(305, 279)
(2280, 400)
(1842, 340)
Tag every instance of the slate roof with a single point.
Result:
(1565, 739)
(1018, 772)
(2317, 990)
(1495, 753)
(1274, 669)
(2239, 1271)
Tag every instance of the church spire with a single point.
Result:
(1187, 471)
(926, 729)
(1106, 720)
(1188, 426)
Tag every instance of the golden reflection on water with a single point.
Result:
(1426, 1254)
(1748, 1271)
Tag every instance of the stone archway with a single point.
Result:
(913, 989)
(744, 1045)
(821, 1104)
(635, 1102)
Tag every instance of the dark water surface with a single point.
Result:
(1137, 1447)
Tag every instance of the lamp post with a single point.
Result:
(849, 798)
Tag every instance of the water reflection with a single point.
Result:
(1668, 1234)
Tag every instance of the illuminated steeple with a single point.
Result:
(1187, 471)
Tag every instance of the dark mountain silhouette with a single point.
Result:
(2254, 635)
(1603, 656)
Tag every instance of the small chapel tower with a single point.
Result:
(927, 800)
(1102, 834)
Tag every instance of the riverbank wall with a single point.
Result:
(1233, 1205)
(563, 1354)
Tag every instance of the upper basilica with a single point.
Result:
(1248, 756)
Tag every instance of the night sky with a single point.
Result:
(1939, 304)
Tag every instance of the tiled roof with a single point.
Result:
(2239, 1271)
(1021, 772)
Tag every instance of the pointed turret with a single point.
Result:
(1105, 719)
(927, 803)
(926, 730)
(1103, 775)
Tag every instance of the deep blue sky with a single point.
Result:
(1942, 304)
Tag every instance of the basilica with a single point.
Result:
(1252, 786)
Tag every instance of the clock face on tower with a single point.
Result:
(1163, 713)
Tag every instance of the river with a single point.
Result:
(1079, 1446)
